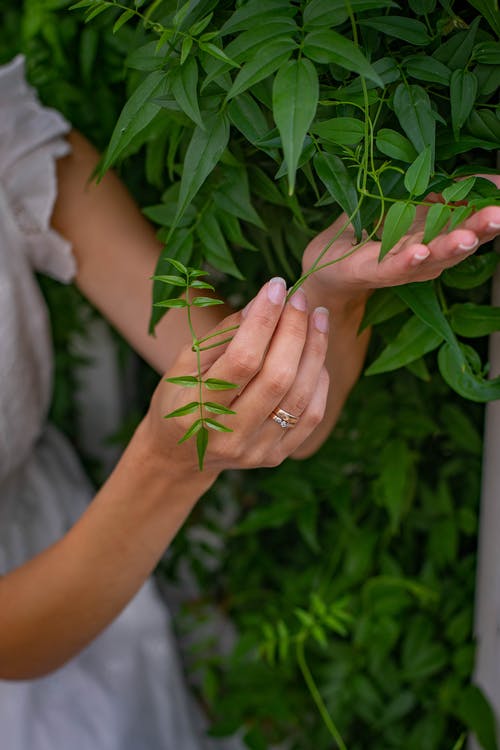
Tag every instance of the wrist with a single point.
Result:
(344, 302)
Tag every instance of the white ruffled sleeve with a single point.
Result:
(31, 139)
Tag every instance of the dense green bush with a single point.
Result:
(244, 129)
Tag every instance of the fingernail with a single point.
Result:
(321, 318)
(420, 256)
(276, 290)
(298, 300)
(245, 310)
(463, 247)
(493, 225)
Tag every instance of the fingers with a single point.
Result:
(243, 357)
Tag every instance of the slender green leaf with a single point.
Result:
(399, 27)
(414, 112)
(206, 302)
(418, 174)
(233, 196)
(181, 246)
(217, 52)
(399, 219)
(184, 88)
(137, 113)
(257, 10)
(457, 50)
(177, 303)
(183, 410)
(422, 299)
(216, 250)
(488, 9)
(265, 62)
(204, 151)
(217, 426)
(201, 445)
(246, 115)
(195, 428)
(186, 381)
(330, 47)
(382, 305)
(217, 408)
(463, 91)
(437, 217)
(414, 340)
(334, 175)
(214, 384)
(122, 20)
(174, 280)
(295, 98)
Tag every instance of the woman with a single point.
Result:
(86, 658)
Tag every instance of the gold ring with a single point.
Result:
(284, 418)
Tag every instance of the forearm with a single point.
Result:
(116, 252)
(345, 357)
(55, 604)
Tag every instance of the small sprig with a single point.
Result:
(189, 279)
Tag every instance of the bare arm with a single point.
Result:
(55, 604)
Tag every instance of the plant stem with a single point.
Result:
(316, 695)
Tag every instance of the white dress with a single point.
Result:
(126, 690)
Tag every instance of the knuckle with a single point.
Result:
(243, 362)
(300, 402)
(278, 381)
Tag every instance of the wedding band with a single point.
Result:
(284, 418)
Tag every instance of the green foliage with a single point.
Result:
(244, 128)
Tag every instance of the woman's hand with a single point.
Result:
(409, 260)
(276, 359)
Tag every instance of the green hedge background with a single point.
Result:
(349, 577)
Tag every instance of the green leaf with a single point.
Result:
(346, 131)
(459, 190)
(472, 320)
(487, 53)
(217, 408)
(393, 144)
(186, 381)
(476, 713)
(457, 50)
(217, 52)
(334, 175)
(399, 27)
(330, 47)
(233, 196)
(257, 10)
(263, 64)
(414, 112)
(246, 115)
(459, 215)
(437, 217)
(457, 365)
(484, 124)
(206, 302)
(201, 445)
(195, 427)
(295, 98)
(418, 174)
(217, 426)
(426, 68)
(463, 91)
(184, 88)
(382, 305)
(472, 271)
(122, 20)
(421, 297)
(414, 340)
(392, 488)
(489, 10)
(177, 303)
(216, 251)
(174, 280)
(137, 113)
(214, 384)
(399, 219)
(181, 246)
(183, 410)
(203, 153)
